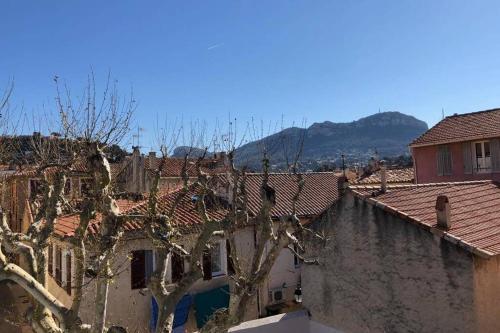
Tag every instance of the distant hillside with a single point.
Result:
(389, 133)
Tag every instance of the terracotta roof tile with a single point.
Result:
(173, 166)
(404, 175)
(319, 193)
(474, 213)
(185, 217)
(463, 127)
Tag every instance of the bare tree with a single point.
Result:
(87, 126)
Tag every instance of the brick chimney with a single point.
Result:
(152, 157)
(383, 177)
(443, 212)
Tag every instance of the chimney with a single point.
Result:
(136, 169)
(152, 157)
(383, 177)
(443, 212)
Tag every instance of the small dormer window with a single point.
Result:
(482, 162)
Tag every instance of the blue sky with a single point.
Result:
(206, 60)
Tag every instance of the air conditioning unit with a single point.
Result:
(276, 295)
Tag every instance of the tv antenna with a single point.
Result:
(138, 136)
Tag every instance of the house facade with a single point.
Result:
(131, 303)
(420, 258)
(459, 148)
(136, 172)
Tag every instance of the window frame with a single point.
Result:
(217, 252)
(69, 193)
(486, 159)
(30, 187)
(146, 275)
(81, 181)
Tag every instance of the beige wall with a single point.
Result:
(487, 293)
(131, 307)
(382, 274)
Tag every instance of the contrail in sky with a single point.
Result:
(214, 46)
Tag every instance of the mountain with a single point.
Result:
(388, 133)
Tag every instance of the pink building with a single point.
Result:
(459, 148)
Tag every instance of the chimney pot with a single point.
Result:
(443, 212)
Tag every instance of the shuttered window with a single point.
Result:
(495, 155)
(177, 267)
(51, 260)
(58, 266)
(207, 265)
(141, 268)
(68, 273)
(444, 163)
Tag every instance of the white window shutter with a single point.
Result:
(495, 155)
(444, 162)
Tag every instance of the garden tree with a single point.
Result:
(87, 128)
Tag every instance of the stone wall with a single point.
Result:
(382, 274)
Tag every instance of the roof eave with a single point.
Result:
(436, 231)
(443, 142)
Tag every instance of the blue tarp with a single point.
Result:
(180, 315)
(206, 303)
(182, 310)
(154, 315)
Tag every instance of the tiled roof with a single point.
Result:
(31, 170)
(319, 193)
(474, 213)
(394, 176)
(185, 217)
(463, 127)
(66, 224)
(172, 166)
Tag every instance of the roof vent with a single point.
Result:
(443, 212)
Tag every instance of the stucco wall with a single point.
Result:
(132, 307)
(487, 293)
(426, 166)
(382, 274)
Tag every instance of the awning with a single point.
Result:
(208, 302)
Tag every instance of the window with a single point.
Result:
(51, 260)
(296, 259)
(141, 268)
(67, 187)
(177, 267)
(444, 163)
(68, 273)
(85, 186)
(58, 276)
(35, 188)
(215, 252)
(482, 162)
(214, 260)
